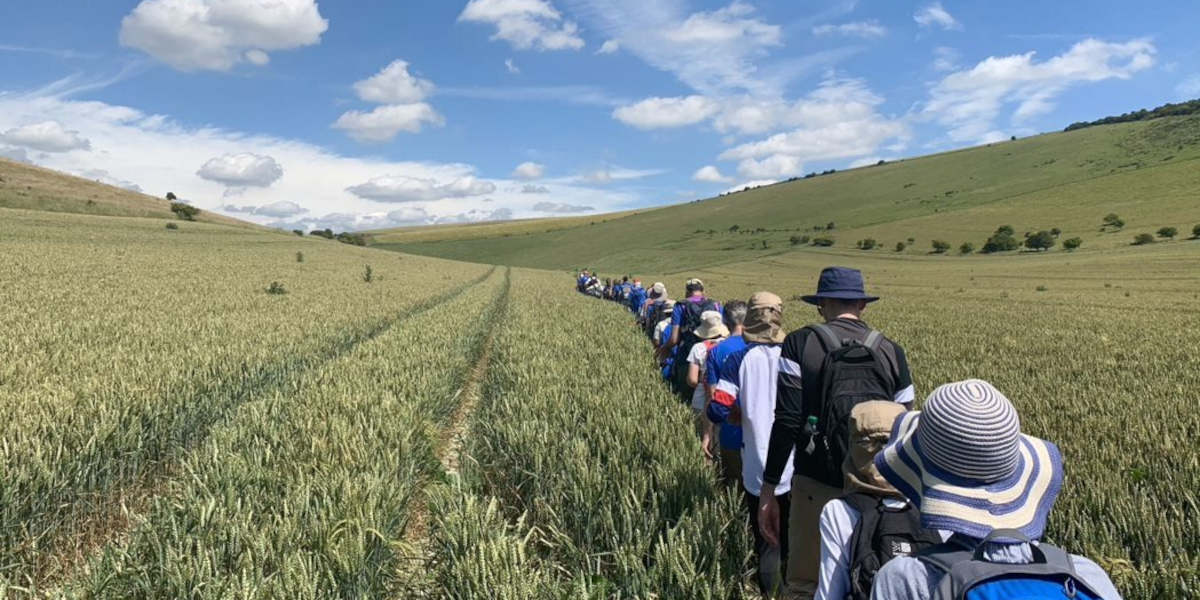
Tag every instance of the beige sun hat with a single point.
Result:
(764, 319)
(711, 326)
(658, 290)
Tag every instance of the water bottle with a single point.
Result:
(810, 429)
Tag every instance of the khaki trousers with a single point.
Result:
(804, 535)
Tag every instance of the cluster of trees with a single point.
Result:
(866, 244)
(354, 239)
(184, 211)
(1166, 233)
(1166, 110)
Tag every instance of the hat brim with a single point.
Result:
(711, 332)
(1021, 501)
(815, 298)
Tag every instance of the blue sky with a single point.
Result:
(380, 113)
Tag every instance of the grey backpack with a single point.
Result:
(970, 576)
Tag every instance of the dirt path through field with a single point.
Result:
(413, 578)
(105, 519)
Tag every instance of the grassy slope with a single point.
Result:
(1148, 172)
(28, 187)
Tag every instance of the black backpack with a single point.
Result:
(688, 322)
(882, 533)
(853, 372)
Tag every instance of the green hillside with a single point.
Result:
(24, 186)
(1146, 171)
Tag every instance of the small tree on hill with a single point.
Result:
(1001, 241)
(184, 211)
(1055, 232)
(900, 246)
(966, 248)
(1196, 232)
(1112, 221)
(1168, 232)
(823, 241)
(1006, 230)
(1071, 244)
(867, 244)
(1142, 239)
(171, 197)
(830, 226)
(797, 240)
(940, 247)
(1042, 240)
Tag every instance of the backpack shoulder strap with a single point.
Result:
(864, 530)
(873, 339)
(945, 555)
(829, 340)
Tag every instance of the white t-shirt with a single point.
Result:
(838, 520)
(699, 357)
(756, 387)
(659, 329)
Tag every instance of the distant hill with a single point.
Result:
(1146, 171)
(1176, 109)
(35, 188)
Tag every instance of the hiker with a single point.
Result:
(872, 523)
(661, 328)
(684, 320)
(712, 331)
(648, 312)
(964, 462)
(729, 437)
(746, 395)
(637, 295)
(825, 369)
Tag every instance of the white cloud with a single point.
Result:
(394, 85)
(478, 215)
(525, 24)
(530, 188)
(529, 170)
(511, 67)
(609, 47)
(655, 113)
(723, 26)
(192, 35)
(561, 208)
(583, 95)
(1189, 89)
(935, 14)
(281, 209)
(710, 174)
(385, 122)
(103, 176)
(17, 154)
(47, 136)
(865, 29)
(751, 184)
(241, 170)
(969, 102)
(945, 58)
(607, 175)
(399, 188)
(837, 120)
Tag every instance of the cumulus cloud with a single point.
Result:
(385, 122)
(530, 188)
(935, 14)
(529, 170)
(609, 174)
(656, 113)
(47, 136)
(478, 215)
(399, 188)
(280, 209)
(968, 102)
(394, 85)
(241, 170)
(710, 174)
(864, 29)
(105, 177)
(17, 154)
(839, 119)
(609, 47)
(192, 35)
(561, 208)
(525, 24)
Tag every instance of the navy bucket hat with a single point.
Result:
(840, 283)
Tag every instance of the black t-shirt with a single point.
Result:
(801, 359)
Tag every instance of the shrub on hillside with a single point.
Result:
(1168, 232)
(900, 246)
(1001, 241)
(354, 239)
(966, 248)
(184, 211)
(797, 240)
(940, 246)
(298, 232)
(1142, 239)
(1006, 230)
(276, 289)
(1072, 243)
(823, 241)
(1055, 232)
(368, 274)
(830, 226)
(1042, 240)
(325, 233)
(1196, 232)
(299, 257)
(1112, 221)
(171, 197)
(867, 244)
(172, 226)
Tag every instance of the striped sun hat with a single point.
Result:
(964, 462)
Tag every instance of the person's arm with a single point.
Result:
(905, 392)
(789, 408)
(693, 375)
(676, 319)
(837, 530)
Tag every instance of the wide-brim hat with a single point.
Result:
(964, 463)
(658, 289)
(764, 319)
(711, 326)
(840, 283)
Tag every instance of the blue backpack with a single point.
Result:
(970, 576)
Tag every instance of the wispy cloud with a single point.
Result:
(56, 52)
(585, 95)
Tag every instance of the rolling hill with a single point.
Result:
(24, 186)
(1147, 171)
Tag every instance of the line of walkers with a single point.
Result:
(850, 493)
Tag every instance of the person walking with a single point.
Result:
(964, 462)
(872, 523)
(712, 331)
(684, 320)
(747, 395)
(729, 437)
(825, 369)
